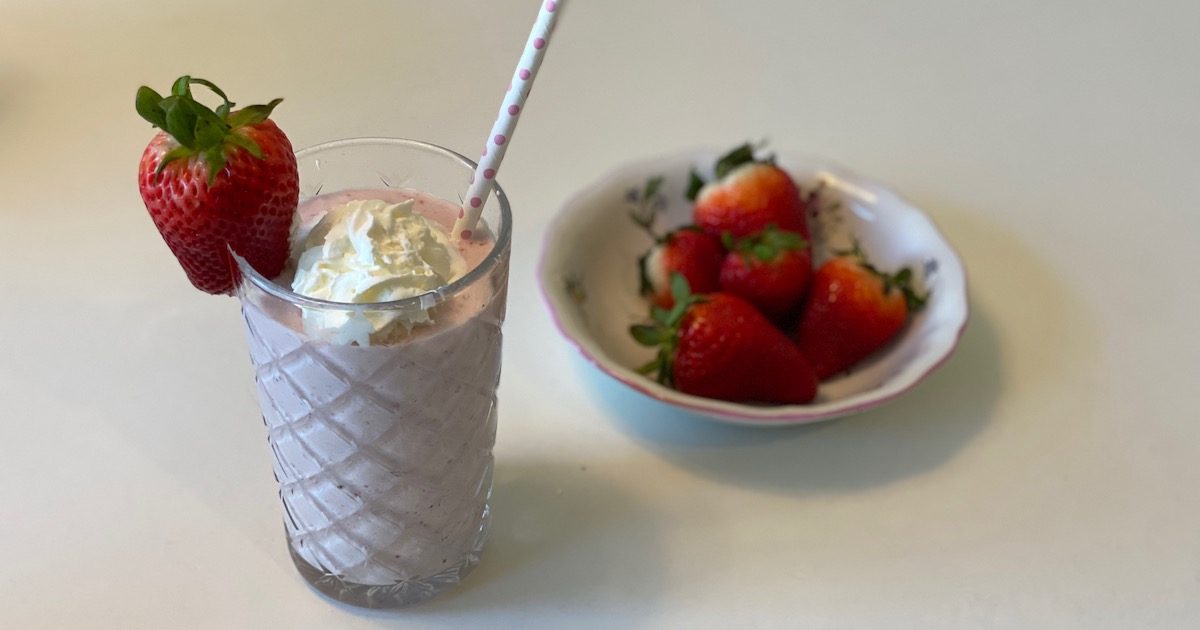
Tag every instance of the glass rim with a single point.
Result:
(442, 293)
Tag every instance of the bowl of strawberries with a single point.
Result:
(756, 289)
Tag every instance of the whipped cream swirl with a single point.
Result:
(368, 251)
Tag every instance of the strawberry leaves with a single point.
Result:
(198, 129)
(663, 331)
(246, 143)
(740, 155)
(147, 104)
(901, 280)
(695, 183)
(767, 245)
(726, 164)
(253, 114)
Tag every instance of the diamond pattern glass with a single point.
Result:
(383, 452)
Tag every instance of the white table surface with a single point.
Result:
(1047, 476)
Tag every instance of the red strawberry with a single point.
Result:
(852, 310)
(770, 270)
(215, 180)
(687, 251)
(719, 346)
(747, 196)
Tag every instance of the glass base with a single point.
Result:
(397, 595)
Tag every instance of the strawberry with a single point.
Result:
(719, 346)
(852, 310)
(686, 251)
(769, 269)
(217, 180)
(747, 196)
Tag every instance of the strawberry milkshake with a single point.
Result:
(373, 306)
(377, 356)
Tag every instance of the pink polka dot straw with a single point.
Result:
(506, 121)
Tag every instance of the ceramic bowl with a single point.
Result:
(589, 278)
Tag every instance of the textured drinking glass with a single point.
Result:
(383, 451)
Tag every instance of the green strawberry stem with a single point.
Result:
(739, 155)
(901, 280)
(198, 129)
(663, 331)
(645, 287)
(743, 154)
(766, 245)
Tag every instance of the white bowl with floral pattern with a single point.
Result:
(589, 278)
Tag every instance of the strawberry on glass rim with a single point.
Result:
(215, 181)
(747, 195)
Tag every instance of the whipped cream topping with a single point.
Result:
(367, 251)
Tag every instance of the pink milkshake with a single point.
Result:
(381, 413)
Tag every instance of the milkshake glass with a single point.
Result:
(382, 446)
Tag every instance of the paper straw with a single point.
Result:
(506, 120)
